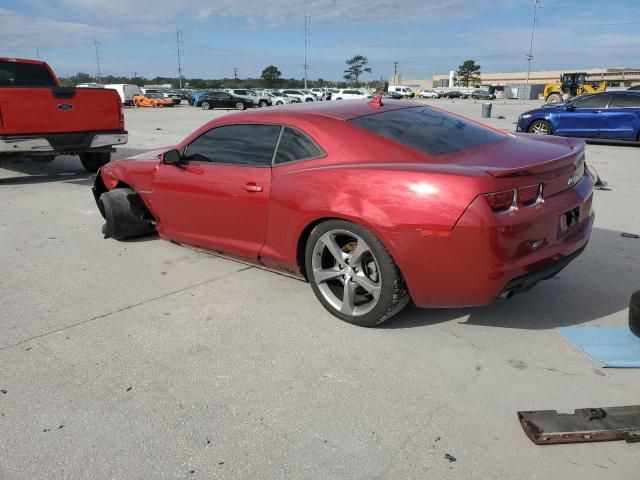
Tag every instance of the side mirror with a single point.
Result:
(570, 106)
(172, 157)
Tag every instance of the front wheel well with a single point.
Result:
(100, 188)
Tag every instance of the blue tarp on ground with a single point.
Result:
(608, 347)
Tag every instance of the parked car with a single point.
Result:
(278, 98)
(406, 92)
(408, 202)
(126, 91)
(173, 95)
(393, 95)
(299, 95)
(611, 115)
(635, 87)
(350, 94)
(319, 93)
(40, 119)
(482, 95)
(259, 99)
(452, 94)
(224, 100)
(428, 94)
(155, 100)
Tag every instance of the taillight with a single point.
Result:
(121, 110)
(529, 196)
(502, 202)
(510, 200)
(0, 117)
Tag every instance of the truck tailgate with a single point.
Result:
(26, 111)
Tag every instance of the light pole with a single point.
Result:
(533, 29)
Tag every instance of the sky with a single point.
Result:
(425, 37)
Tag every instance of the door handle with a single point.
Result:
(252, 187)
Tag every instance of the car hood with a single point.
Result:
(546, 109)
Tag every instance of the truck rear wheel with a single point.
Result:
(92, 161)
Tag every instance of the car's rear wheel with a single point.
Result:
(540, 127)
(279, 102)
(205, 106)
(92, 161)
(262, 103)
(240, 106)
(125, 214)
(352, 274)
(308, 99)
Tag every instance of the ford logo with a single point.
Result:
(65, 106)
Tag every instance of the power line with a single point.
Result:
(178, 45)
(533, 30)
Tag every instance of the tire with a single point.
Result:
(205, 106)
(92, 161)
(240, 106)
(308, 100)
(634, 313)
(191, 102)
(554, 98)
(540, 127)
(43, 158)
(339, 98)
(279, 102)
(373, 282)
(262, 103)
(125, 214)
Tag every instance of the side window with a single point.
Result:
(593, 101)
(625, 101)
(295, 145)
(235, 145)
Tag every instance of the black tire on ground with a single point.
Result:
(92, 161)
(262, 103)
(393, 294)
(540, 127)
(43, 158)
(308, 99)
(125, 214)
(634, 313)
(205, 106)
(240, 106)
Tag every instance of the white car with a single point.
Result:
(429, 94)
(350, 94)
(320, 93)
(299, 94)
(278, 98)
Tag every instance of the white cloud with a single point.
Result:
(20, 32)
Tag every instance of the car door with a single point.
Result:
(219, 198)
(583, 117)
(621, 120)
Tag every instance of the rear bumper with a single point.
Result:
(60, 142)
(486, 255)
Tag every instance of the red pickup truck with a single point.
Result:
(41, 119)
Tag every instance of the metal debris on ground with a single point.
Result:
(547, 427)
(629, 235)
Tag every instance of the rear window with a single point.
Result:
(15, 74)
(625, 101)
(427, 130)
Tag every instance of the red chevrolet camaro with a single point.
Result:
(375, 205)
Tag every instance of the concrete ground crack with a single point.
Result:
(122, 309)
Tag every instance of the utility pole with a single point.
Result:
(95, 43)
(235, 76)
(395, 73)
(307, 31)
(536, 3)
(37, 53)
(178, 45)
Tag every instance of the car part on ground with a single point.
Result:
(634, 313)
(548, 427)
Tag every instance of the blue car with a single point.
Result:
(604, 116)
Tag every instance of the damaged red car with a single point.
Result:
(374, 205)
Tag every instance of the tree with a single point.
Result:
(271, 75)
(356, 66)
(469, 72)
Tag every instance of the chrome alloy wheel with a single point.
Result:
(346, 272)
(539, 128)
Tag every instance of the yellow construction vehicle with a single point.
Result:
(570, 85)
